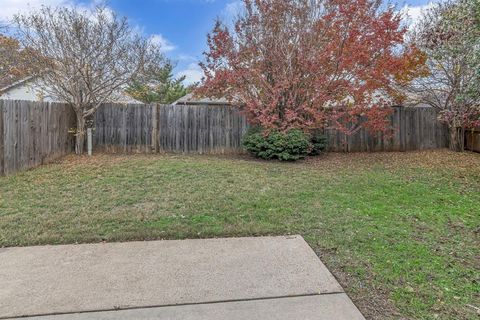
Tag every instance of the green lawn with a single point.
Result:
(399, 230)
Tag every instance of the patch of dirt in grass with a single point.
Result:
(140, 211)
(98, 160)
(373, 302)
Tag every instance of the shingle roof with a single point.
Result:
(119, 97)
(7, 85)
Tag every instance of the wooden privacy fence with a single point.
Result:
(473, 140)
(169, 128)
(219, 129)
(415, 128)
(33, 133)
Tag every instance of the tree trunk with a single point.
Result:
(80, 136)
(457, 137)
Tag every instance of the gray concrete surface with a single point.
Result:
(99, 277)
(318, 307)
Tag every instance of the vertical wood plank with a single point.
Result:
(155, 122)
(2, 141)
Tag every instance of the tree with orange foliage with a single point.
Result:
(15, 62)
(311, 63)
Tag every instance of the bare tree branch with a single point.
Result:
(89, 56)
(449, 35)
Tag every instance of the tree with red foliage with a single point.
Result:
(310, 63)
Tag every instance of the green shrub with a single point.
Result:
(286, 146)
(319, 143)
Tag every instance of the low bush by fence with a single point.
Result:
(32, 133)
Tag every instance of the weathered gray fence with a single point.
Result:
(473, 140)
(414, 129)
(169, 128)
(33, 133)
(123, 128)
(219, 129)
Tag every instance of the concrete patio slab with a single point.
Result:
(318, 307)
(100, 277)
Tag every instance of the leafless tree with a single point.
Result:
(89, 56)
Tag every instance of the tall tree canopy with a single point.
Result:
(90, 56)
(449, 36)
(306, 63)
(158, 85)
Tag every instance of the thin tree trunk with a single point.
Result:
(80, 137)
(456, 139)
(462, 139)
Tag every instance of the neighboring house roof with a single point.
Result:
(26, 89)
(15, 84)
(7, 80)
(32, 89)
(189, 99)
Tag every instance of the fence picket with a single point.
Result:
(33, 133)
(2, 140)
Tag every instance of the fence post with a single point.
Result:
(155, 113)
(402, 126)
(89, 141)
(2, 141)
